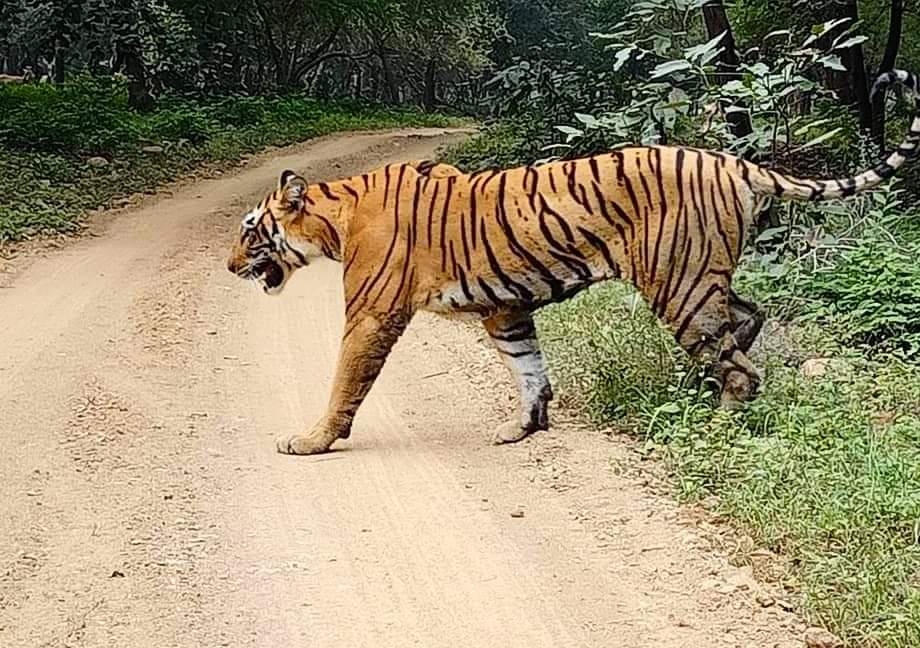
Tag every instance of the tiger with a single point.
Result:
(495, 246)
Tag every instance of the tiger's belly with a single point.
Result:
(479, 298)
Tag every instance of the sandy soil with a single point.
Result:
(142, 502)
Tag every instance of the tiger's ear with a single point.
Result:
(286, 177)
(293, 187)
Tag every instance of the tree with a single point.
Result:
(717, 23)
(889, 59)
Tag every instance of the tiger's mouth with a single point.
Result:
(270, 274)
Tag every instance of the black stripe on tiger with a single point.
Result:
(512, 286)
(444, 213)
(521, 251)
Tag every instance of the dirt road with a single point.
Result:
(142, 502)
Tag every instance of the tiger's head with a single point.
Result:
(284, 232)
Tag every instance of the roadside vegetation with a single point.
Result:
(104, 98)
(68, 149)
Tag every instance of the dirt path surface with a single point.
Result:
(142, 502)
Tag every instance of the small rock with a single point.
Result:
(153, 149)
(117, 574)
(517, 513)
(815, 368)
(710, 584)
(821, 638)
(765, 600)
(727, 588)
(786, 605)
(818, 367)
(97, 162)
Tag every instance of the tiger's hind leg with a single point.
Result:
(747, 320)
(515, 338)
(718, 330)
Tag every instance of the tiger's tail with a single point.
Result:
(768, 182)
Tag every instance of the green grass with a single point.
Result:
(503, 144)
(824, 470)
(48, 133)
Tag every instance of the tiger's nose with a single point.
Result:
(233, 265)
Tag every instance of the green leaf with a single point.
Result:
(850, 42)
(778, 32)
(822, 29)
(832, 62)
(623, 56)
(700, 51)
(669, 408)
(809, 126)
(670, 67)
(819, 139)
(590, 121)
(818, 31)
(570, 133)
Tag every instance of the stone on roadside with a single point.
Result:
(821, 638)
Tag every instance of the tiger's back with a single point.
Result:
(517, 239)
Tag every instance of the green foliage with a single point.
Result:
(87, 116)
(849, 267)
(504, 144)
(871, 294)
(49, 133)
(678, 94)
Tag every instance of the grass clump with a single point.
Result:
(824, 467)
(50, 132)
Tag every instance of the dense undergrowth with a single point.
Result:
(65, 150)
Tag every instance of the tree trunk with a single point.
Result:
(391, 92)
(895, 27)
(717, 23)
(128, 61)
(851, 86)
(60, 53)
(430, 96)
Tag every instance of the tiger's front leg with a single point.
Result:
(365, 347)
(515, 338)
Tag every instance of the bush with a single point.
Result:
(871, 296)
(88, 116)
(48, 132)
(184, 122)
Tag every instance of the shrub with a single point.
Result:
(87, 116)
(187, 122)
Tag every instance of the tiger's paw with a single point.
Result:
(510, 432)
(315, 442)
